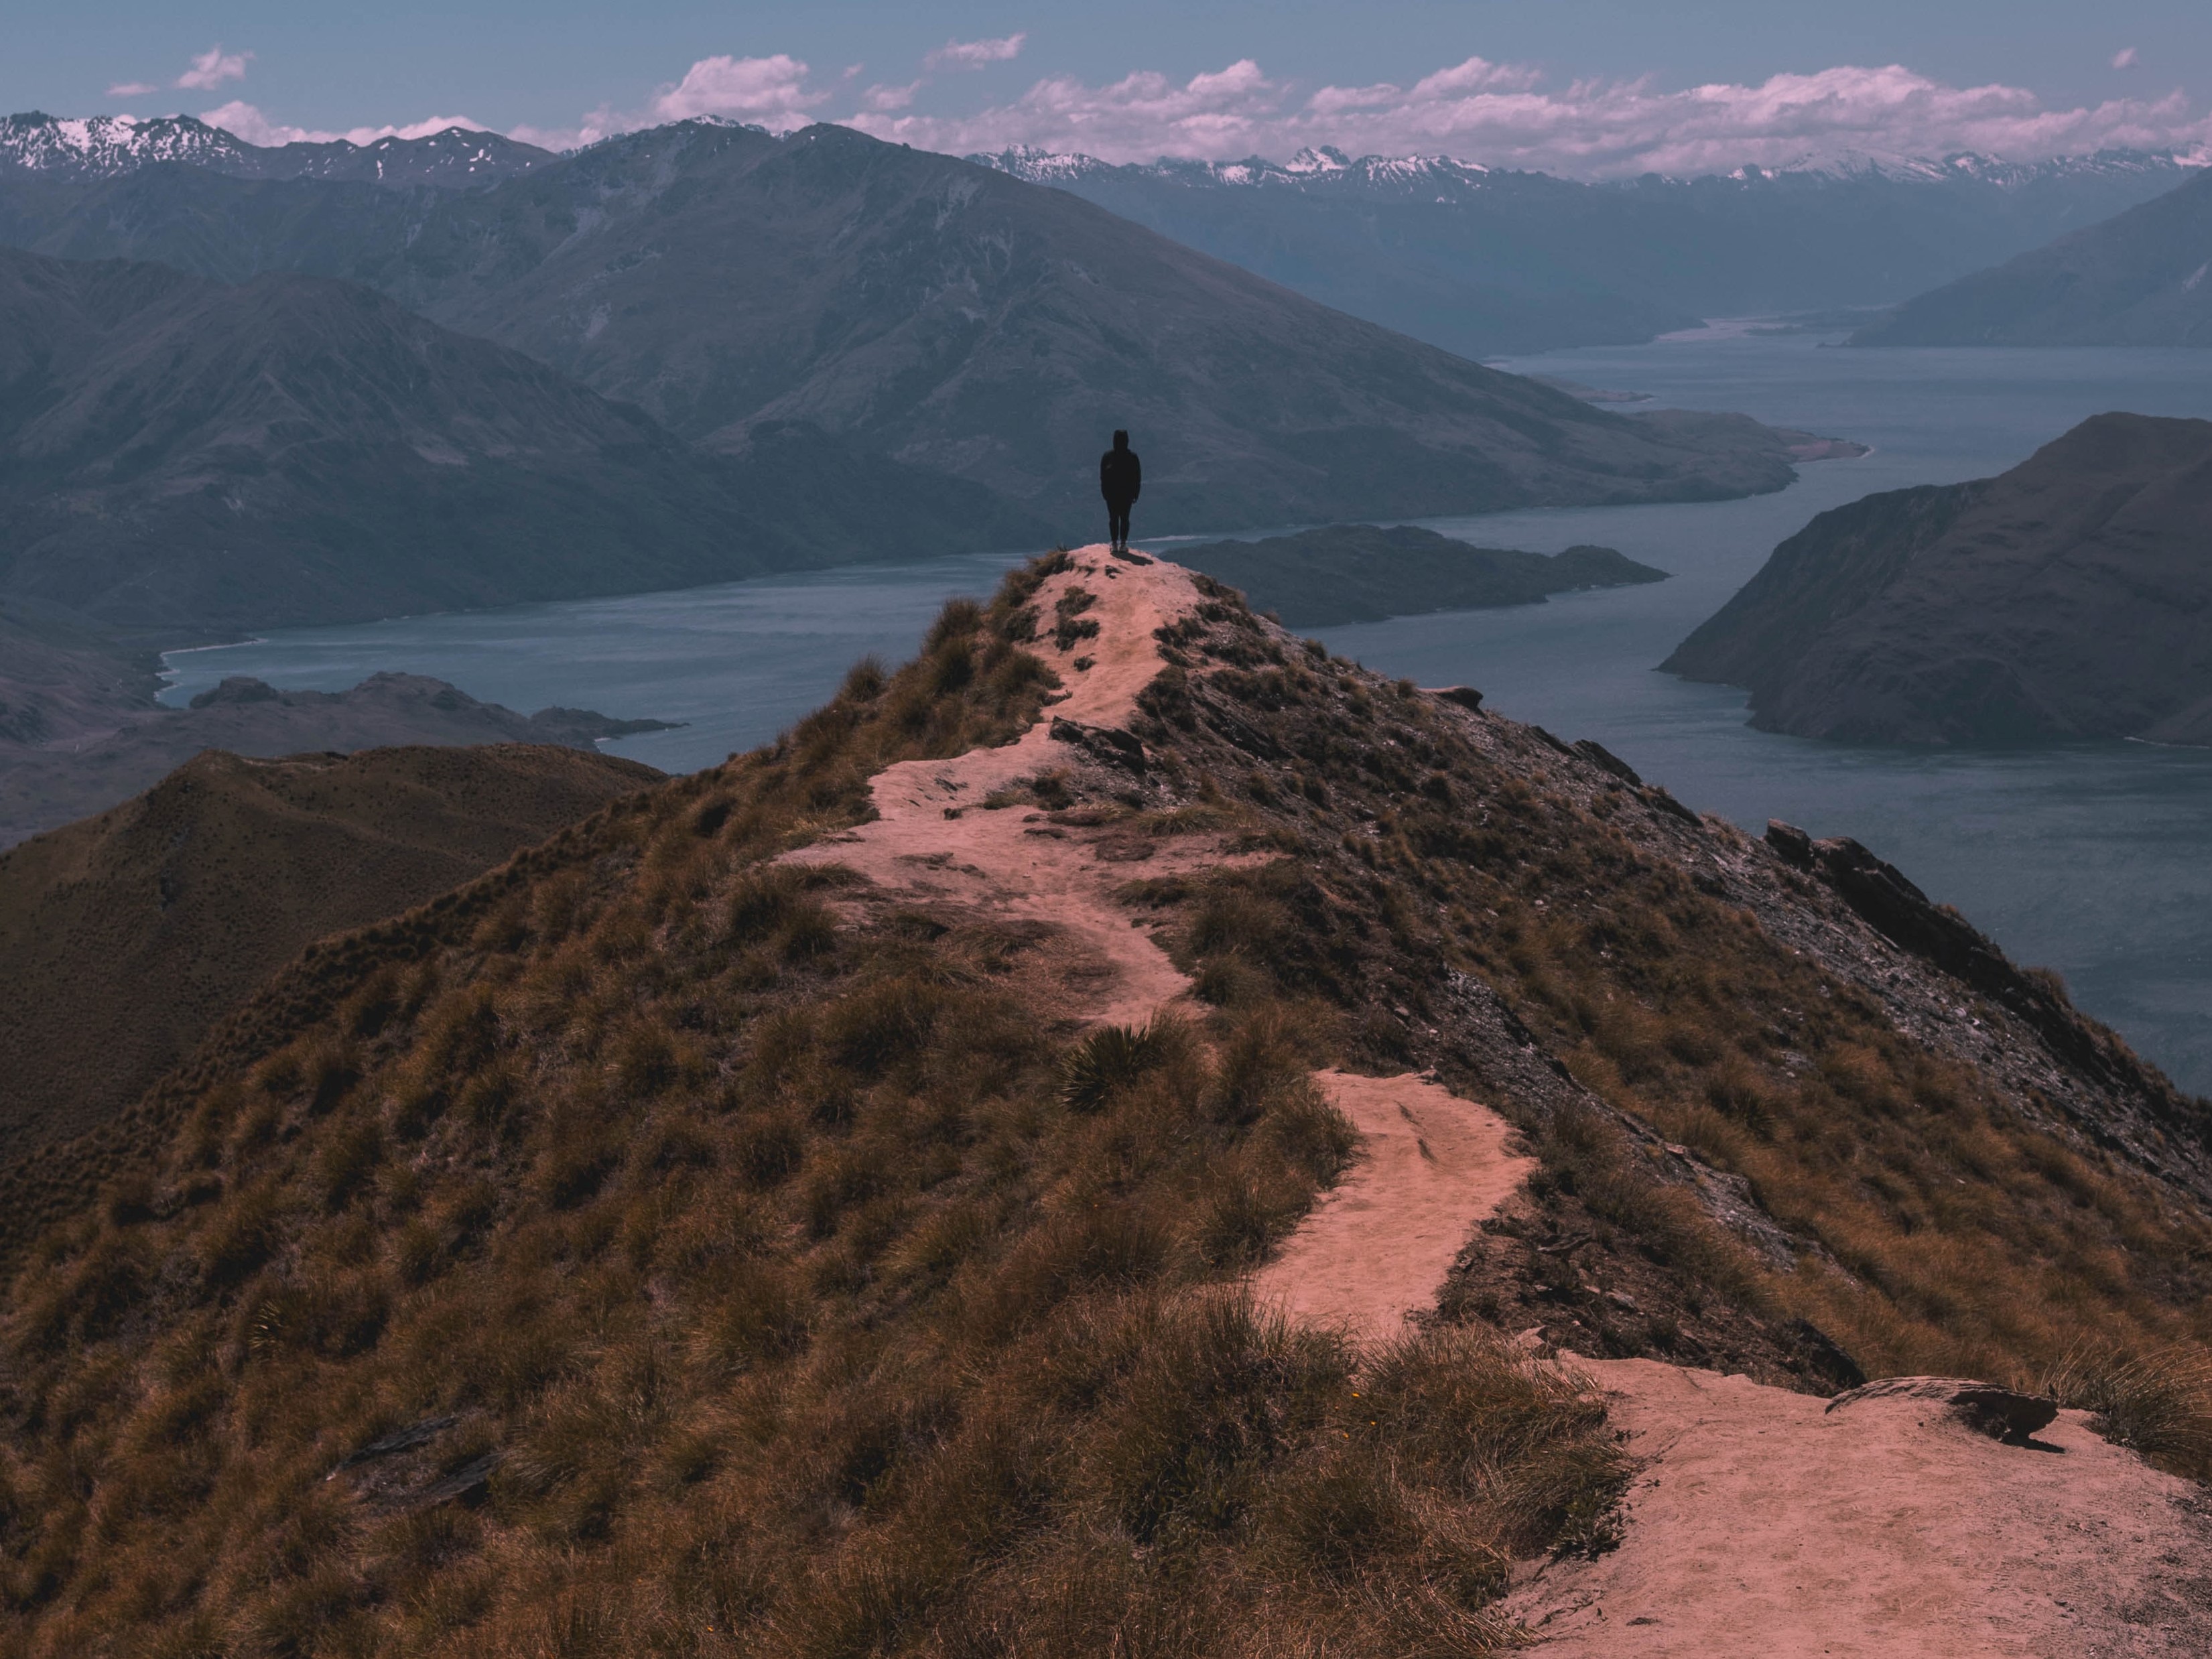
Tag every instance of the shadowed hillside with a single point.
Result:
(125, 937)
(179, 455)
(2065, 599)
(2136, 279)
(728, 1228)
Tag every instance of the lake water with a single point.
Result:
(2089, 859)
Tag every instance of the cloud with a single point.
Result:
(211, 68)
(1504, 115)
(131, 88)
(768, 92)
(243, 120)
(882, 99)
(2124, 57)
(976, 54)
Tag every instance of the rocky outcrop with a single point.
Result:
(2000, 1412)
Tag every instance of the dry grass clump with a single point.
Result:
(2160, 1402)
(631, 1256)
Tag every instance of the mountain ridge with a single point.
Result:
(734, 1190)
(125, 937)
(1485, 261)
(112, 146)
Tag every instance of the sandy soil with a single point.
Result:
(1431, 1166)
(1765, 1524)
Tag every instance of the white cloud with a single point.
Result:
(976, 54)
(243, 120)
(771, 91)
(2124, 57)
(768, 92)
(211, 68)
(881, 99)
(131, 88)
(1503, 115)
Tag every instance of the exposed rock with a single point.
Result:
(1105, 743)
(2000, 1412)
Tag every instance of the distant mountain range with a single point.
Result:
(2143, 277)
(2067, 597)
(112, 146)
(918, 307)
(177, 454)
(1483, 262)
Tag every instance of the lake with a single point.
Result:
(2088, 859)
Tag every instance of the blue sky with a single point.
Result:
(1589, 86)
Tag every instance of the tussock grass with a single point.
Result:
(766, 1283)
(1973, 1229)
(2160, 1402)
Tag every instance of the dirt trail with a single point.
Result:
(1765, 1524)
(1376, 1248)
(1431, 1165)
(1005, 861)
(1762, 1526)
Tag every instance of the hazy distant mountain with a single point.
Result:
(2139, 278)
(943, 313)
(112, 146)
(180, 455)
(1481, 261)
(2070, 597)
(965, 322)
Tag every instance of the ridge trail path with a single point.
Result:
(1430, 1166)
(933, 837)
(1766, 1526)
(1761, 1526)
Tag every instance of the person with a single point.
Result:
(1120, 480)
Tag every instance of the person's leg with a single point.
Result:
(1120, 517)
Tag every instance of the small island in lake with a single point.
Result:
(1352, 573)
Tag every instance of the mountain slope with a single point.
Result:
(727, 1228)
(945, 314)
(2136, 279)
(2065, 599)
(124, 937)
(961, 320)
(1481, 261)
(177, 454)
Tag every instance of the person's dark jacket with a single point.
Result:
(1120, 477)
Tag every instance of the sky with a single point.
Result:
(1586, 88)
